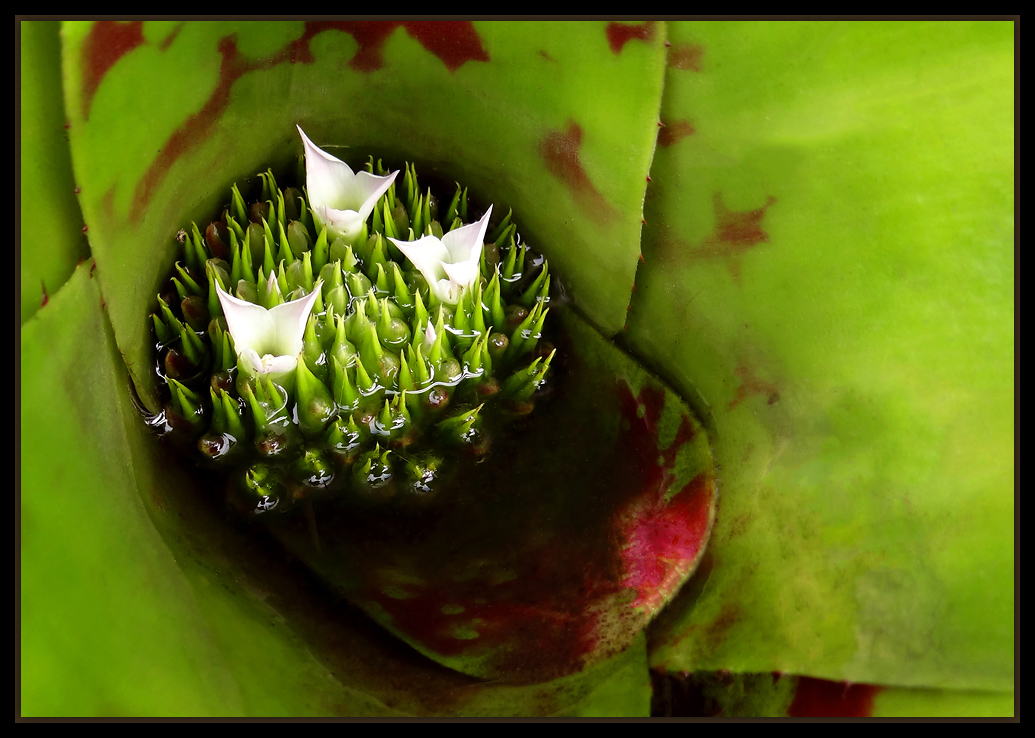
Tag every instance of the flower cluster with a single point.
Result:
(314, 345)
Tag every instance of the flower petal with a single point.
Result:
(341, 199)
(329, 181)
(289, 321)
(465, 243)
(463, 274)
(250, 325)
(427, 254)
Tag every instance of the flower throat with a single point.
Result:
(348, 341)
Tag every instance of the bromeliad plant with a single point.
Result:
(340, 339)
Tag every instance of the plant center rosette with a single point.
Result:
(356, 366)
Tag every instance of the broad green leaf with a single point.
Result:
(829, 270)
(523, 114)
(52, 242)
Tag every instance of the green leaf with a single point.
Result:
(52, 241)
(829, 270)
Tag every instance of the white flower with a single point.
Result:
(267, 341)
(452, 263)
(340, 199)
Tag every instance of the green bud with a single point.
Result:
(346, 393)
(269, 291)
(186, 404)
(321, 252)
(420, 482)
(393, 332)
(373, 477)
(298, 238)
(247, 291)
(313, 470)
(357, 283)
(316, 406)
(195, 312)
(162, 332)
(463, 429)
(238, 210)
(344, 439)
(494, 303)
(341, 348)
(454, 204)
(261, 491)
(536, 290)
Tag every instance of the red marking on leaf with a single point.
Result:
(736, 232)
(664, 532)
(739, 231)
(167, 41)
(560, 151)
(822, 698)
(752, 385)
(686, 56)
(454, 42)
(105, 44)
(674, 132)
(86, 228)
(546, 55)
(46, 298)
(619, 34)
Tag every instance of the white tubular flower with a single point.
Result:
(452, 263)
(267, 342)
(340, 199)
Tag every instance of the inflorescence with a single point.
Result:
(314, 360)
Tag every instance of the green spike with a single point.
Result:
(216, 276)
(227, 356)
(496, 315)
(162, 332)
(524, 338)
(343, 437)
(403, 296)
(186, 404)
(417, 221)
(234, 227)
(312, 350)
(477, 313)
(188, 281)
(269, 263)
(193, 346)
(388, 219)
(378, 223)
(282, 280)
(238, 210)
(281, 209)
(460, 318)
(422, 369)
(342, 349)
(284, 252)
(269, 291)
(346, 254)
(248, 271)
(330, 275)
(366, 385)
(181, 292)
(321, 251)
(463, 206)
(370, 351)
(357, 283)
(315, 404)
(405, 378)
(381, 280)
(509, 266)
(501, 228)
(194, 249)
(226, 415)
(420, 313)
(456, 427)
(531, 295)
(346, 395)
(516, 382)
(173, 323)
(451, 211)
(305, 215)
(393, 332)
